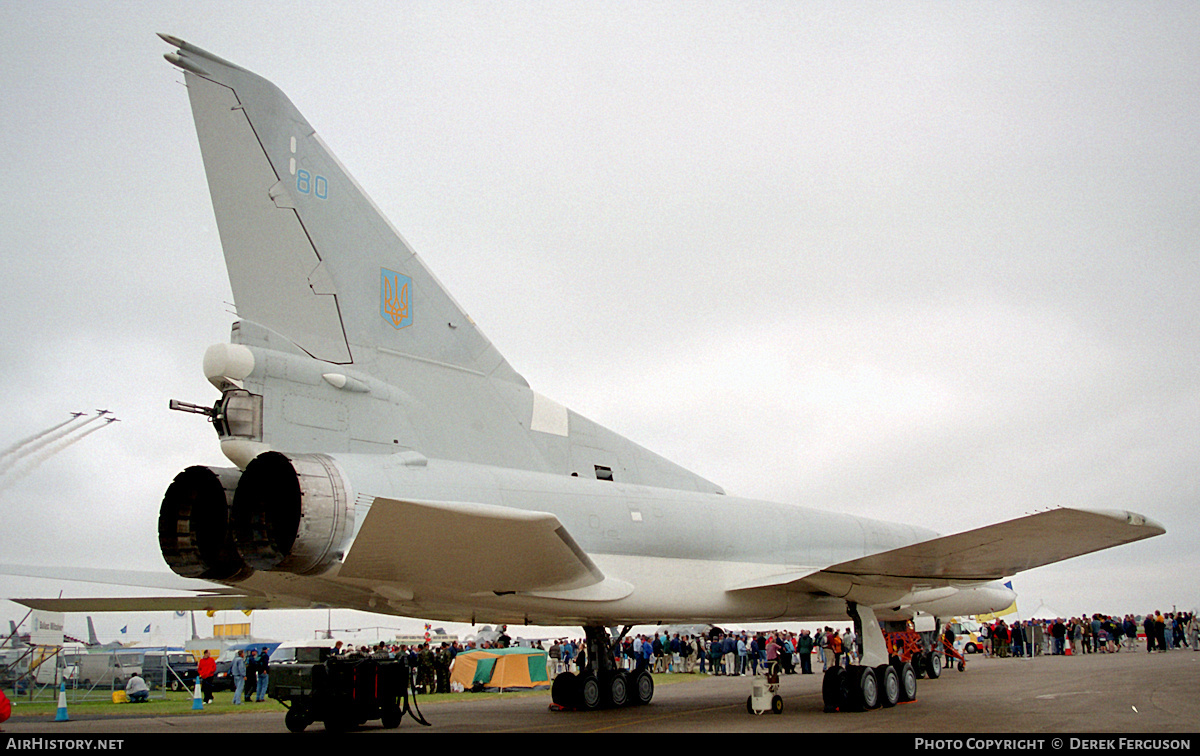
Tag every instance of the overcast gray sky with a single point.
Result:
(935, 263)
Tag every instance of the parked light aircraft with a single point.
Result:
(387, 458)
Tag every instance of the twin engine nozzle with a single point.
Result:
(285, 512)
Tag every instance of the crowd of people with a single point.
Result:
(720, 653)
(741, 653)
(1096, 634)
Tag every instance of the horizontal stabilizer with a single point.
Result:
(467, 547)
(161, 580)
(214, 603)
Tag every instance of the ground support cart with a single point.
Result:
(952, 653)
(764, 693)
(343, 692)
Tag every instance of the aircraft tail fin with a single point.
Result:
(309, 255)
(14, 636)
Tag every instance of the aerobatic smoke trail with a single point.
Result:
(41, 442)
(29, 440)
(31, 462)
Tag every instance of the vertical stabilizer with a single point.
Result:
(309, 255)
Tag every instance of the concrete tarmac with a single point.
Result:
(1131, 692)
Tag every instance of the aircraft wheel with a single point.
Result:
(564, 691)
(908, 681)
(933, 666)
(643, 687)
(590, 696)
(889, 685)
(868, 689)
(831, 688)
(618, 689)
(777, 704)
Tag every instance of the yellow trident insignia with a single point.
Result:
(393, 297)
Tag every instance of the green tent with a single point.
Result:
(501, 669)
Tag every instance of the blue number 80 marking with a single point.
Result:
(306, 183)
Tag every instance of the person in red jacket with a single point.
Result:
(207, 671)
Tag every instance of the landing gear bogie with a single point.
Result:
(600, 684)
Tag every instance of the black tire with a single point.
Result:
(750, 705)
(591, 696)
(643, 688)
(889, 685)
(908, 681)
(919, 666)
(392, 716)
(831, 688)
(296, 719)
(776, 704)
(618, 692)
(867, 689)
(564, 691)
(933, 666)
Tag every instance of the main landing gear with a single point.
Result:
(879, 681)
(600, 684)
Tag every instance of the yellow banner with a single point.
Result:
(240, 630)
(1012, 609)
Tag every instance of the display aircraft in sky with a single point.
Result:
(387, 458)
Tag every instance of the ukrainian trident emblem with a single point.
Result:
(393, 298)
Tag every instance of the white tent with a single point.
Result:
(1044, 612)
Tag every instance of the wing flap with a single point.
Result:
(467, 547)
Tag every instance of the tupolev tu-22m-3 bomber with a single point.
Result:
(386, 458)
